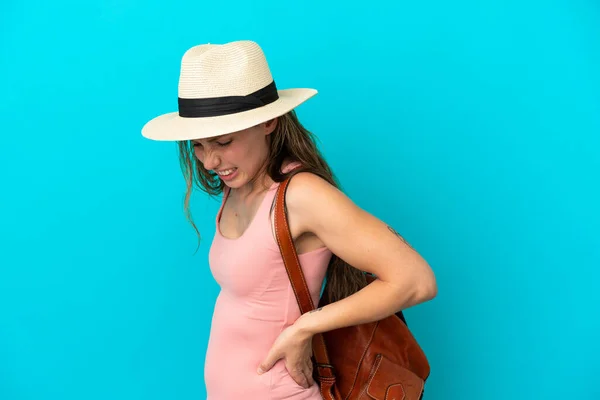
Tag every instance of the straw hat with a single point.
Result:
(223, 89)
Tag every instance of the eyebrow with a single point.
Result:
(210, 140)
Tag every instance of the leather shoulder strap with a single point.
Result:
(297, 279)
(288, 251)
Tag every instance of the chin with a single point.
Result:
(234, 184)
(231, 185)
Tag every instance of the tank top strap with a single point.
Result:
(226, 191)
(291, 166)
(269, 201)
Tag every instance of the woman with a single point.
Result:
(238, 135)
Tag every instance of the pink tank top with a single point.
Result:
(255, 304)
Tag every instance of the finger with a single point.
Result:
(268, 362)
(309, 374)
(299, 377)
(310, 366)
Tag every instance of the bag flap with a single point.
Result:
(391, 381)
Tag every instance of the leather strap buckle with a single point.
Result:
(326, 370)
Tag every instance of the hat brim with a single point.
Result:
(172, 127)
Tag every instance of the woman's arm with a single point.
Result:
(360, 239)
(404, 277)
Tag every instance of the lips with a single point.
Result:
(226, 172)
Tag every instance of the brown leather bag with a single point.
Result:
(379, 360)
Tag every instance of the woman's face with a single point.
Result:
(236, 157)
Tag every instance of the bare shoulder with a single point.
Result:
(305, 185)
(310, 196)
(352, 233)
(322, 209)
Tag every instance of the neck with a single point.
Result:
(259, 184)
(256, 186)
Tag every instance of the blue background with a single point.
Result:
(471, 127)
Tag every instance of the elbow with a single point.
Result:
(426, 287)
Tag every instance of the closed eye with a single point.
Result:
(220, 144)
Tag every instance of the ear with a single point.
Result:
(270, 126)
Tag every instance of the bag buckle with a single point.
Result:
(326, 367)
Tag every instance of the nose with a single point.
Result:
(211, 160)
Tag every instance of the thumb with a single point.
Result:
(268, 363)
